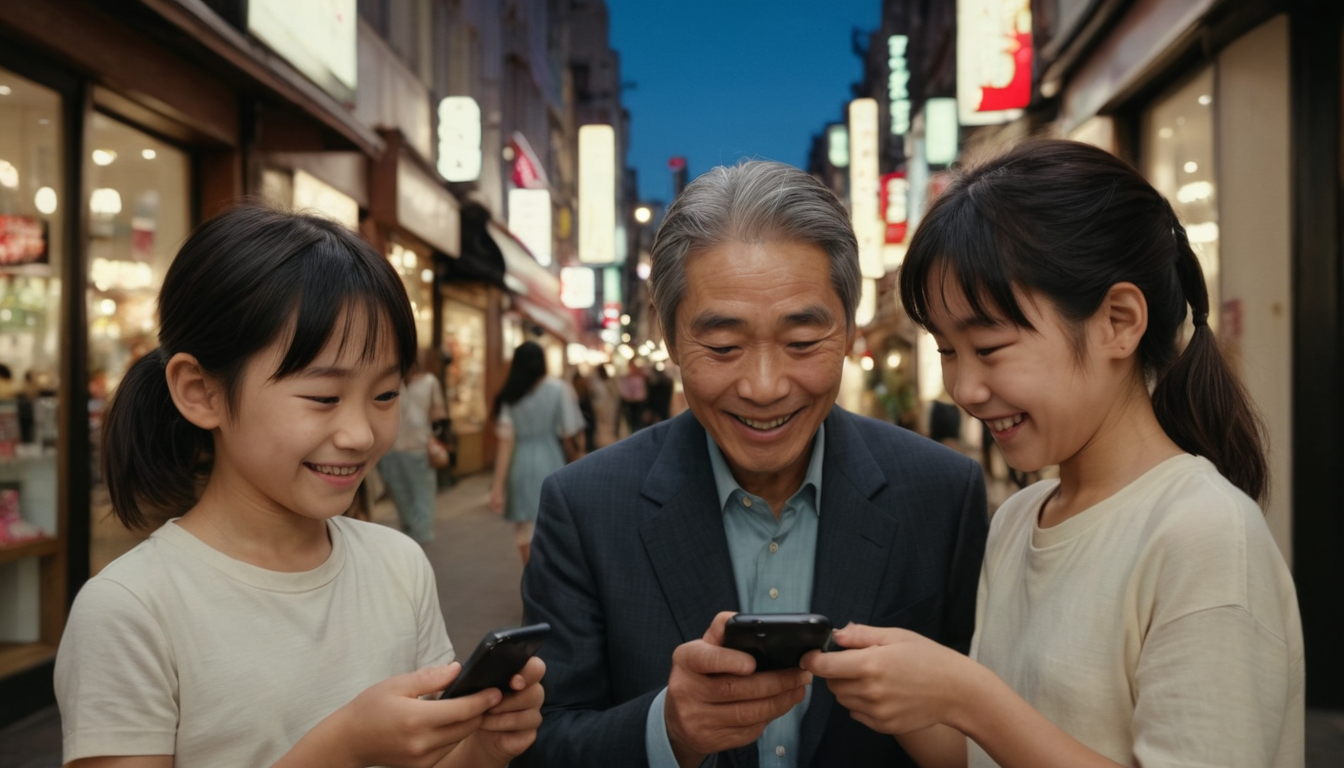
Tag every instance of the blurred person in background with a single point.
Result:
(538, 425)
(406, 470)
(659, 407)
(606, 407)
(634, 389)
(583, 390)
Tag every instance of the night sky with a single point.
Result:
(719, 80)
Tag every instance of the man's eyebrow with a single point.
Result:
(816, 316)
(712, 321)
(336, 371)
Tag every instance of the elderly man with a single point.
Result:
(765, 498)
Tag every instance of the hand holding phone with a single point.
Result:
(777, 640)
(499, 656)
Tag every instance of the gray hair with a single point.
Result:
(752, 202)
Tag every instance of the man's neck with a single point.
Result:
(775, 487)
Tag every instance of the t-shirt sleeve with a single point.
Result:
(433, 648)
(116, 679)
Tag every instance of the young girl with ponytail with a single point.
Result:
(257, 626)
(1136, 611)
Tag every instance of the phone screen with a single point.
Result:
(499, 656)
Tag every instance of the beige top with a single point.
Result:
(176, 648)
(1159, 628)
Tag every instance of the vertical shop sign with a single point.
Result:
(459, 138)
(863, 185)
(597, 194)
(530, 221)
(894, 205)
(940, 131)
(318, 37)
(994, 60)
(578, 287)
(898, 84)
(837, 145)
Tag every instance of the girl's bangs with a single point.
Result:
(956, 242)
(341, 287)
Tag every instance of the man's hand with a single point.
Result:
(716, 699)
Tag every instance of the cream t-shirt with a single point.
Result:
(1159, 628)
(176, 648)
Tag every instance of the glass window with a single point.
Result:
(32, 200)
(464, 344)
(1178, 159)
(139, 214)
(417, 275)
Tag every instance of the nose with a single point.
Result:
(763, 377)
(965, 383)
(354, 430)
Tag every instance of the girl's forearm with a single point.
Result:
(503, 457)
(1013, 733)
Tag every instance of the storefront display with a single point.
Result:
(138, 217)
(415, 266)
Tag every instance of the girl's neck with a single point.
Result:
(257, 533)
(1127, 444)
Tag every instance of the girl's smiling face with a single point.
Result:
(1042, 400)
(302, 444)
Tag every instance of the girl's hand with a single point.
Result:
(497, 501)
(510, 727)
(893, 680)
(389, 724)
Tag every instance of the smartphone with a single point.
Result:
(499, 656)
(777, 640)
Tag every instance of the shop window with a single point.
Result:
(32, 207)
(138, 217)
(1178, 159)
(464, 345)
(417, 275)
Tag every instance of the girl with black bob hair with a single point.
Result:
(1136, 610)
(257, 625)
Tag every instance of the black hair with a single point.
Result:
(239, 282)
(528, 367)
(1069, 221)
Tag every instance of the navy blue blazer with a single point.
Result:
(630, 560)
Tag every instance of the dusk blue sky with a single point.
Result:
(719, 80)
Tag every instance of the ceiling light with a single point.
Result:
(1191, 166)
(103, 156)
(45, 201)
(1205, 99)
(148, 154)
(5, 90)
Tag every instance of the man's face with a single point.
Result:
(761, 340)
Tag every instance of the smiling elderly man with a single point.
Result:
(765, 497)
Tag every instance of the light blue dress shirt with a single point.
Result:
(773, 563)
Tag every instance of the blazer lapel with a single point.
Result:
(853, 539)
(684, 539)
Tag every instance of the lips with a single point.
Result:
(766, 425)
(335, 470)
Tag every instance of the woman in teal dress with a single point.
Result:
(538, 423)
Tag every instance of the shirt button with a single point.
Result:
(779, 751)
(774, 547)
(774, 593)
(746, 502)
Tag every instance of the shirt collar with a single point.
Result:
(727, 484)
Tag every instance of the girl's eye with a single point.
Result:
(387, 397)
(946, 352)
(987, 351)
(324, 400)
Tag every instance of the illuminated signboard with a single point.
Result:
(895, 210)
(578, 287)
(837, 145)
(898, 84)
(994, 60)
(459, 138)
(597, 194)
(940, 131)
(317, 36)
(530, 221)
(311, 192)
(864, 186)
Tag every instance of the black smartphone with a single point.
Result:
(777, 640)
(498, 657)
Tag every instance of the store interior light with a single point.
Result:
(104, 156)
(1166, 133)
(643, 214)
(9, 175)
(1205, 99)
(1194, 191)
(5, 90)
(1191, 166)
(625, 337)
(426, 275)
(408, 259)
(105, 201)
(626, 351)
(45, 201)
(625, 319)
(894, 360)
(866, 363)
(148, 154)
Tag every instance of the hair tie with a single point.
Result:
(1201, 319)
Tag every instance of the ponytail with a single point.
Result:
(1198, 400)
(153, 459)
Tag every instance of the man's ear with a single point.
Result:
(198, 397)
(1124, 316)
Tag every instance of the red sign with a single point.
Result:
(527, 170)
(22, 240)
(893, 197)
(611, 314)
(676, 163)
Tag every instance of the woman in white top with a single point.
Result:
(1136, 611)
(405, 469)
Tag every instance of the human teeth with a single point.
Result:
(1001, 425)
(764, 424)
(336, 471)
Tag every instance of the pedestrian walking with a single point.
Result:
(538, 424)
(1136, 610)
(258, 626)
(606, 407)
(583, 390)
(410, 468)
(634, 390)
